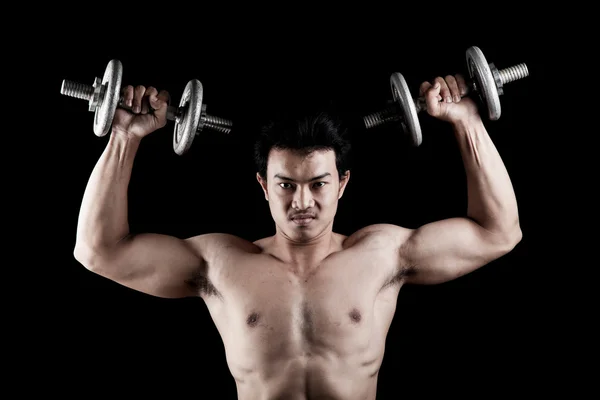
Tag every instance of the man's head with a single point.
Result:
(303, 169)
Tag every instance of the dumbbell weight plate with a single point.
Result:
(481, 74)
(111, 85)
(408, 110)
(191, 112)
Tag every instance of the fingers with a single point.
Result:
(433, 94)
(445, 93)
(128, 95)
(449, 89)
(161, 100)
(462, 84)
(149, 94)
(454, 91)
(425, 86)
(138, 94)
(142, 100)
(132, 97)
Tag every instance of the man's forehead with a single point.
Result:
(286, 162)
(297, 156)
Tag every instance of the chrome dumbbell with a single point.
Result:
(484, 79)
(104, 96)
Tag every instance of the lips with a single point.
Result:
(303, 219)
(303, 216)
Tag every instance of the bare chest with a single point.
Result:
(339, 308)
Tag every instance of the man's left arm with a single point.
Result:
(444, 250)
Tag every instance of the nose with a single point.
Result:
(303, 199)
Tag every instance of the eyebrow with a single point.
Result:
(285, 178)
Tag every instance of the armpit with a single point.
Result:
(200, 283)
(399, 276)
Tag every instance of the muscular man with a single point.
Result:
(303, 313)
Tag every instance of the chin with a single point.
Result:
(301, 232)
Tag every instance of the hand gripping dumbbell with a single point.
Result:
(104, 96)
(484, 79)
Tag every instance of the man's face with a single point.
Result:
(303, 192)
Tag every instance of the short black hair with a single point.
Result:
(304, 131)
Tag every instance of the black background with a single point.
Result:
(481, 334)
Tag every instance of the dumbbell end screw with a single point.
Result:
(215, 123)
(93, 94)
(77, 90)
(510, 74)
(381, 117)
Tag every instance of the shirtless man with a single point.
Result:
(303, 314)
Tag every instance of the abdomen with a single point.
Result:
(308, 378)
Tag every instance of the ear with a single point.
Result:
(343, 182)
(263, 185)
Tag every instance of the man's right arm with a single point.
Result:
(159, 265)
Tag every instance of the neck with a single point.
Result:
(304, 255)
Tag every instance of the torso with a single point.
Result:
(302, 336)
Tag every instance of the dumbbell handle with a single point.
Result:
(421, 102)
(86, 92)
(392, 112)
(172, 112)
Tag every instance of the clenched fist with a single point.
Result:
(444, 100)
(148, 111)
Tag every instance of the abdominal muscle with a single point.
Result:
(315, 376)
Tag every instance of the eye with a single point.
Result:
(320, 184)
(283, 185)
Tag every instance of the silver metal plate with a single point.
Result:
(111, 86)
(404, 99)
(485, 85)
(186, 126)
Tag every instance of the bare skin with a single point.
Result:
(303, 314)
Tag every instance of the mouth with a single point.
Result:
(302, 220)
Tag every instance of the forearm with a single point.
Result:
(103, 217)
(491, 198)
